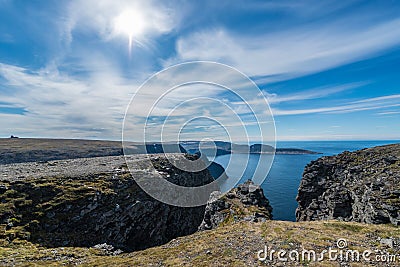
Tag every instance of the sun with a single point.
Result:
(130, 23)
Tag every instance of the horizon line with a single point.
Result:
(256, 141)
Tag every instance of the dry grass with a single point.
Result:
(231, 245)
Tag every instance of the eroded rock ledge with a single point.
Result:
(361, 186)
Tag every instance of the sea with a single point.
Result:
(281, 183)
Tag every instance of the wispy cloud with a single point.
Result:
(389, 113)
(380, 98)
(294, 51)
(314, 93)
(61, 104)
(95, 107)
(338, 137)
(362, 105)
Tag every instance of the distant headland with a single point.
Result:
(16, 150)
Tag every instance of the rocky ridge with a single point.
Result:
(361, 186)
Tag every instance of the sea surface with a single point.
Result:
(281, 184)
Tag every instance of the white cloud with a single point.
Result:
(202, 100)
(338, 137)
(291, 52)
(313, 93)
(57, 105)
(389, 113)
(60, 106)
(380, 98)
(365, 104)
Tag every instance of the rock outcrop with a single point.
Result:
(361, 186)
(244, 203)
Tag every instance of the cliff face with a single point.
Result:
(361, 186)
(84, 202)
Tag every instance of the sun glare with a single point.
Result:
(130, 23)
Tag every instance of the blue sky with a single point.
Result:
(329, 69)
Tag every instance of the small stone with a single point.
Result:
(387, 242)
(3, 188)
(391, 159)
(252, 188)
(249, 218)
(117, 252)
(50, 214)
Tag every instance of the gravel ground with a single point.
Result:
(71, 168)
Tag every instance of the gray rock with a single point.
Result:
(3, 189)
(387, 242)
(359, 186)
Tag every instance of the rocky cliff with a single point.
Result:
(84, 202)
(361, 186)
(88, 202)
